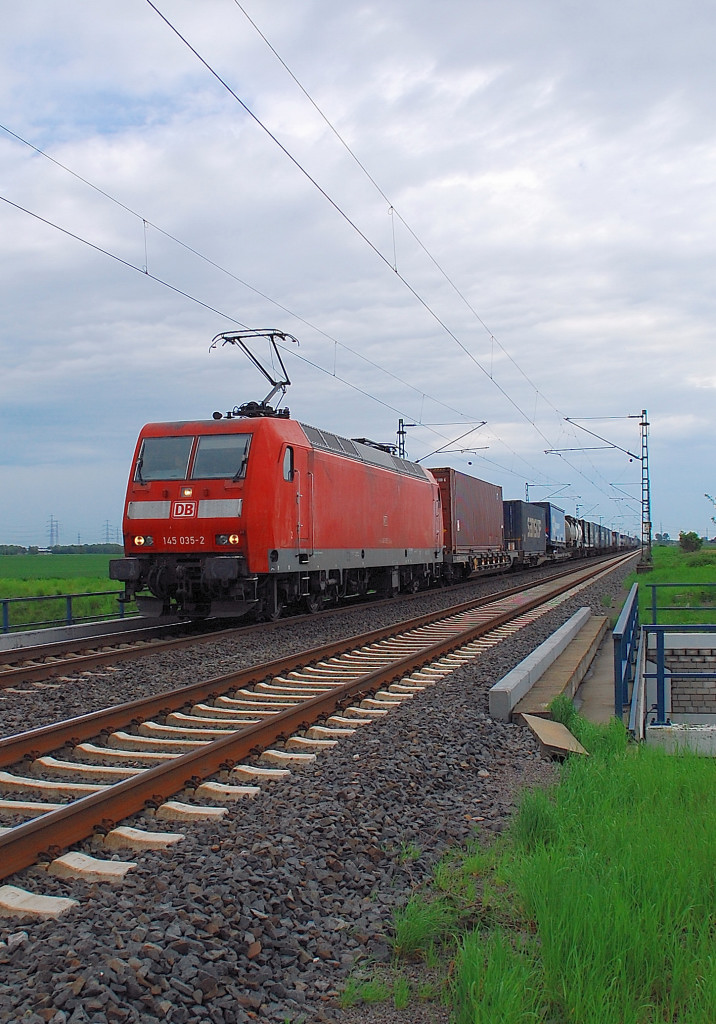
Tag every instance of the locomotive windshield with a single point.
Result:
(219, 456)
(163, 458)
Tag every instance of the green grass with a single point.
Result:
(421, 924)
(672, 565)
(55, 567)
(611, 883)
(598, 906)
(25, 576)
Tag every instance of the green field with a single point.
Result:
(55, 567)
(32, 576)
(693, 569)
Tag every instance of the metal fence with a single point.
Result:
(658, 650)
(626, 643)
(656, 607)
(69, 610)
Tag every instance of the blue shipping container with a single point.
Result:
(554, 525)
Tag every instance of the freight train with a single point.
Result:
(256, 513)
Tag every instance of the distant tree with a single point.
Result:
(87, 549)
(689, 541)
(12, 549)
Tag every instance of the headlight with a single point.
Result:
(234, 538)
(139, 541)
(222, 538)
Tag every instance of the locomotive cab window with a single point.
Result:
(288, 463)
(221, 456)
(163, 458)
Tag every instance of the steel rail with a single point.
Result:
(48, 834)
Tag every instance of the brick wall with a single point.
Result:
(692, 696)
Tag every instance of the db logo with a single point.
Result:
(183, 509)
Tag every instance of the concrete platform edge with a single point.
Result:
(505, 694)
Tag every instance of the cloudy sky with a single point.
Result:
(466, 211)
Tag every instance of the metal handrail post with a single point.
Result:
(624, 638)
(660, 679)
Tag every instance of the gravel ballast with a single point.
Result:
(264, 915)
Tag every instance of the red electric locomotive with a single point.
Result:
(256, 512)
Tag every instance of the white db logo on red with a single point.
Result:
(183, 509)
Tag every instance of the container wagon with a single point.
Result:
(473, 524)
(525, 536)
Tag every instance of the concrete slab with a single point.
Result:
(175, 810)
(31, 808)
(222, 791)
(554, 738)
(508, 691)
(127, 838)
(308, 743)
(20, 783)
(250, 771)
(90, 869)
(674, 738)
(341, 720)
(30, 638)
(566, 672)
(284, 757)
(17, 902)
(595, 697)
(92, 771)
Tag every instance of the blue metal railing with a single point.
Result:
(655, 608)
(659, 632)
(70, 615)
(626, 643)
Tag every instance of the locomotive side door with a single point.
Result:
(298, 467)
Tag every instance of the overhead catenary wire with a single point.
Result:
(372, 246)
(144, 269)
(185, 294)
(423, 302)
(192, 298)
(394, 212)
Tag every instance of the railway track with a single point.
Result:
(245, 728)
(22, 665)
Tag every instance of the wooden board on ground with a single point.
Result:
(554, 738)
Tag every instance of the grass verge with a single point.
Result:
(692, 569)
(597, 906)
